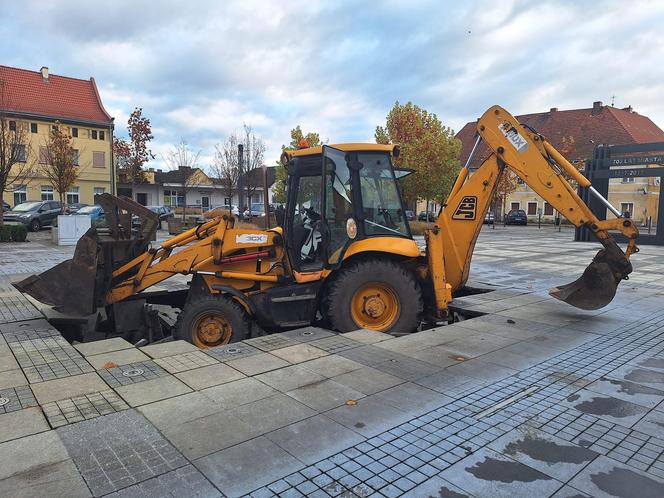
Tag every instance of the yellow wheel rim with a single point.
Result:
(375, 306)
(211, 329)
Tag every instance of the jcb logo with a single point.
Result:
(466, 209)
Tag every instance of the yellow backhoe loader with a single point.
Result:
(343, 253)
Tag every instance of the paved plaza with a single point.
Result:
(530, 398)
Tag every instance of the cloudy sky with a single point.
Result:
(200, 69)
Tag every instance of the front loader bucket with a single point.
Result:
(597, 286)
(69, 286)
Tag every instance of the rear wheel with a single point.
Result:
(212, 320)
(35, 225)
(376, 295)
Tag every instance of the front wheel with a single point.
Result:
(35, 225)
(376, 295)
(212, 320)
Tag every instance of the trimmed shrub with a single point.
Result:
(5, 233)
(19, 233)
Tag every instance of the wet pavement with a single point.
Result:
(533, 397)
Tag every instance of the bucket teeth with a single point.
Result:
(593, 290)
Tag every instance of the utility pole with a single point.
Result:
(240, 180)
(266, 204)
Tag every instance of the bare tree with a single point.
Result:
(59, 162)
(185, 160)
(254, 155)
(225, 166)
(15, 168)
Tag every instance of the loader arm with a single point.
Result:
(530, 156)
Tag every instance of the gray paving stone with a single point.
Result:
(308, 334)
(336, 344)
(332, 365)
(606, 478)
(168, 349)
(369, 417)
(437, 488)
(550, 455)
(70, 387)
(185, 361)
(185, 481)
(12, 378)
(22, 456)
(233, 470)
(652, 423)
(7, 361)
(212, 375)
(314, 439)
(650, 362)
(119, 450)
(232, 351)
(569, 492)
(257, 363)
(487, 473)
(271, 342)
(119, 358)
(56, 479)
(644, 376)
(407, 368)
(21, 423)
(103, 346)
(238, 393)
(324, 395)
(23, 325)
(289, 378)
(605, 407)
(367, 336)
(16, 398)
(132, 373)
(69, 411)
(413, 399)
(149, 391)
(299, 353)
(179, 410)
(270, 413)
(368, 380)
(628, 391)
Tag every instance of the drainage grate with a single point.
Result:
(4, 401)
(507, 401)
(134, 372)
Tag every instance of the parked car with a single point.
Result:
(257, 210)
(164, 213)
(5, 207)
(33, 214)
(424, 216)
(95, 212)
(73, 208)
(410, 215)
(516, 217)
(490, 218)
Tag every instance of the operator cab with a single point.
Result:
(338, 195)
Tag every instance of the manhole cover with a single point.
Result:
(307, 332)
(233, 350)
(24, 325)
(134, 372)
(4, 401)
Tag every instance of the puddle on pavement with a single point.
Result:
(624, 482)
(505, 471)
(632, 388)
(445, 492)
(609, 406)
(641, 375)
(652, 363)
(573, 397)
(549, 451)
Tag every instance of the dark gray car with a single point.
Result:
(33, 214)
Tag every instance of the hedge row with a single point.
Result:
(13, 233)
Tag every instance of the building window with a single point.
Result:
(98, 159)
(74, 132)
(174, 198)
(93, 134)
(46, 193)
(20, 194)
(227, 201)
(72, 196)
(627, 209)
(12, 126)
(627, 179)
(515, 206)
(33, 128)
(99, 190)
(548, 209)
(77, 156)
(101, 135)
(532, 208)
(19, 153)
(43, 155)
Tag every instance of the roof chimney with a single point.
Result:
(554, 109)
(44, 72)
(597, 107)
(628, 108)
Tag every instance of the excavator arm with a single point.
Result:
(530, 156)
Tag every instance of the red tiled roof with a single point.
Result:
(59, 97)
(576, 132)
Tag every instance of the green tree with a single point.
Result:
(298, 141)
(427, 146)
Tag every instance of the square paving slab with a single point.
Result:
(68, 411)
(308, 334)
(141, 393)
(132, 373)
(640, 375)
(238, 393)
(185, 361)
(104, 346)
(168, 349)
(255, 364)
(20, 423)
(628, 391)
(212, 375)
(185, 481)
(232, 351)
(119, 450)
(70, 387)
(325, 395)
(299, 353)
(116, 358)
(16, 398)
(608, 408)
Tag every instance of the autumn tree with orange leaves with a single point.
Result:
(131, 155)
(427, 146)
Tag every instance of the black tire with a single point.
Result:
(214, 307)
(35, 225)
(349, 281)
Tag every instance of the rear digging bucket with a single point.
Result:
(69, 286)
